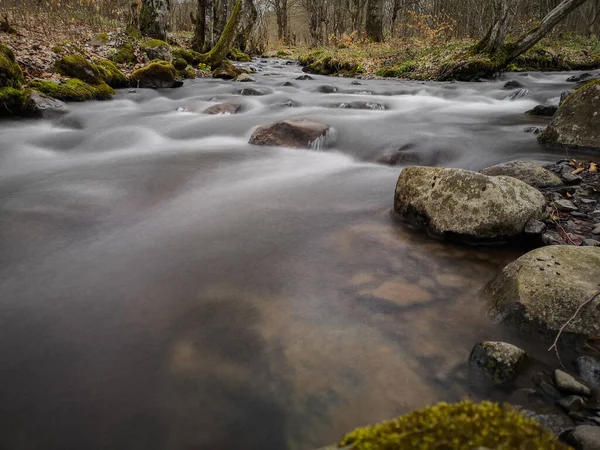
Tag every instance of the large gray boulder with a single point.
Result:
(577, 121)
(526, 171)
(542, 289)
(304, 133)
(464, 204)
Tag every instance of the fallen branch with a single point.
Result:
(555, 344)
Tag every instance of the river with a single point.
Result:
(165, 285)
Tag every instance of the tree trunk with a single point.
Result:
(154, 17)
(548, 23)
(216, 56)
(249, 16)
(209, 34)
(495, 38)
(281, 14)
(374, 25)
(200, 27)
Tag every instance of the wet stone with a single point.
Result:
(534, 227)
(586, 437)
(512, 84)
(565, 205)
(534, 130)
(498, 361)
(356, 83)
(304, 78)
(549, 390)
(244, 78)
(591, 243)
(519, 94)
(327, 89)
(572, 403)
(589, 369)
(564, 95)
(253, 91)
(543, 110)
(567, 383)
(596, 230)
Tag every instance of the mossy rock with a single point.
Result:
(180, 63)
(11, 101)
(459, 426)
(74, 90)
(227, 71)
(190, 56)
(77, 66)
(157, 49)
(111, 74)
(157, 74)
(235, 54)
(124, 55)
(11, 74)
(101, 37)
(188, 73)
(322, 63)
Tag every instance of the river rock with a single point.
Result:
(46, 107)
(577, 121)
(327, 89)
(156, 75)
(304, 78)
(223, 108)
(578, 78)
(589, 370)
(568, 383)
(591, 243)
(564, 205)
(244, 78)
(572, 403)
(512, 84)
(526, 171)
(156, 49)
(596, 230)
(464, 204)
(586, 437)
(553, 422)
(360, 105)
(542, 289)
(519, 94)
(534, 130)
(498, 361)
(304, 133)
(227, 71)
(253, 91)
(543, 110)
(534, 227)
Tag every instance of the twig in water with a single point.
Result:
(555, 344)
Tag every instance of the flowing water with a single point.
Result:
(165, 285)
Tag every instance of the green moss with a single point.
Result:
(235, 54)
(459, 426)
(11, 101)
(77, 66)
(155, 70)
(283, 54)
(188, 73)
(133, 32)
(323, 63)
(191, 57)
(111, 74)
(154, 43)
(11, 74)
(124, 55)
(57, 49)
(180, 63)
(74, 90)
(101, 37)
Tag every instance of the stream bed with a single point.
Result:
(166, 285)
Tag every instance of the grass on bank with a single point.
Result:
(421, 60)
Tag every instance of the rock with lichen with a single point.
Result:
(157, 49)
(125, 54)
(459, 426)
(499, 362)
(542, 290)
(157, 74)
(526, 171)
(577, 121)
(76, 66)
(464, 205)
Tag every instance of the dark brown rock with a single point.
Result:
(303, 133)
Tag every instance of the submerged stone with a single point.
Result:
(304, 133)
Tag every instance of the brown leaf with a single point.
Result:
(593, 167)
(577, 171)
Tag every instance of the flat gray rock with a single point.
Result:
(568, 383)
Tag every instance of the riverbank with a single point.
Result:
(417, 59)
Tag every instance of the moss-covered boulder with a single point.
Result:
(227, 71)
(11, 75)
(125, 54)
(465, 205)
(235, 54)
(188, 73)
(180, 63)
(190, 56)
(526, 171)
(157, 74)
(542, 289)
(577, 121)
(77, 66)
(157, 49)
(29, 103)
(458, 426)
(111, 74)
(322, 63)
(11, 101)
(73, 90)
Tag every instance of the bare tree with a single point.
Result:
(199, 20)
(374, 25)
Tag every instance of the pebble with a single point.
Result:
(568, 383)
(534, 227)
(589, 368)
(596, 229)
(591, 243)
(549, 390)
(572, 403)
(578, 214)
(569, 178)
(587, 437)
(565, 205)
